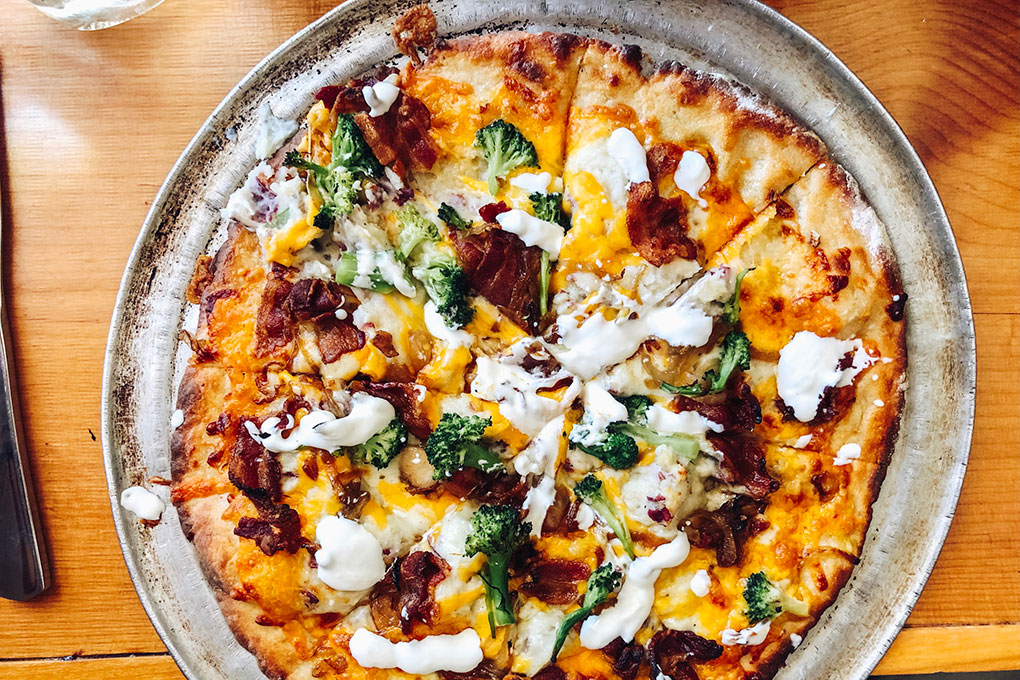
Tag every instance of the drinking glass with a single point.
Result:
(89, 15)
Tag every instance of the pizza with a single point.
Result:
(526, 357)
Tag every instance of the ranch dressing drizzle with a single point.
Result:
(691, 174)
(458, 653)
(322, 430)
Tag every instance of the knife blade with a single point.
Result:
(24, 571)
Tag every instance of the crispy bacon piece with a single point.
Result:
(253, 468)
(550, 673)
(336, 338)
(726, 529)
(671, 653)
(504, 271)
(627, 657)
(420, 573)
(739, 412)
(489, 211)
(404, 397)
(317, 301)
(554, 580)
(278, 527)
(744, 463)
(273, 328)
(658, 226)
(400, 137)
(486, 670)
(415, 30)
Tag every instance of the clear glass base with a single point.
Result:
(91, 15)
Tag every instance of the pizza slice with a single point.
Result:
(823, 313)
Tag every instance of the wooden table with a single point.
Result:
(95, 120)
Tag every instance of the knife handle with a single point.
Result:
(23, 564)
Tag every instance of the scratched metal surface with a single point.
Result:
(737, 37)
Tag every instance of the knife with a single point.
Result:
(23, 564)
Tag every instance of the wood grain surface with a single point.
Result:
(93, 122)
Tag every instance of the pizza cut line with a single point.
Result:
(528, 359)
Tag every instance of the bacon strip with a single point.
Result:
(726, 529)
(744, 463)
(400, 137)
(554, 580)
(420, 573)
(671, 653)
(253, 468)
(278, 527)
(273, 328)
(658, 226)
(504, 271)
(739, 412)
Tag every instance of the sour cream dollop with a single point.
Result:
(350, 558)
(458, 653)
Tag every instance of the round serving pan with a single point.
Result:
(738, 37)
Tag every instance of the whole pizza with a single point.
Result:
(530, 358)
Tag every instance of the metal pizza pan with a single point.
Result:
(739, 38)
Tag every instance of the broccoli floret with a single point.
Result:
(497, 531)
(549, 207)
(765, 600)
(347, 272)
(504, 148)
(415, 229)
(601, 584)
(337, 186)
(616, 450)
(454, 445)
(351, 150)
(736, 354)
(383, 446)
(683, 445)
(637, 406)
(591, 491)
(731, 309)
(447, 287)
(451, 217)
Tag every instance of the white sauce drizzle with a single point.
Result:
(323, 430)
(809, 364)
(458, 653)
(601, 409)
(273, 132)
(802, 441)
(176, 419)
(350, 558)
(626, 150)
(634, 602)
(795, 640)
(847, 454)
(532, 182)
(686, 422)
(437, 327)
(701, 582)
(755, 635)
(142, 502)
(533, 231)
(380, 96)
(691, 174)
(537, 503)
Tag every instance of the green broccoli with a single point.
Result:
(351, 150)
(549, 207)
(383, 446)
(415, 229)
(504, 148)
(683, 445)
(616, 450)
(447, 287)
(347, 272)
(497, 531)
(451, 217)
(736, 354)
(601, 584)
(765, 600)
(454, 445)
(731, 309)
(543, 284)
(590, 491)
(337, 186)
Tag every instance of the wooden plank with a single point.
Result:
(949, 72)
(953, 649)
(158, 667)
(94, 121)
